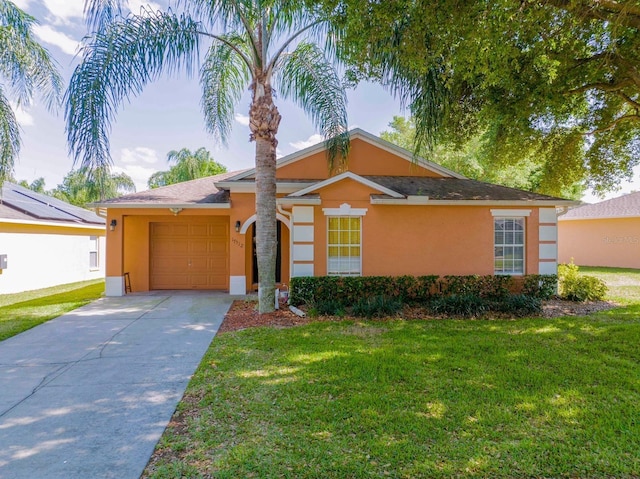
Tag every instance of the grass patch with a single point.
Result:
(526, 398)
(22, 311)
(405, 399)
(623, 283)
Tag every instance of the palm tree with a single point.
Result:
(25, 66)
(260, 44)
(189, 165)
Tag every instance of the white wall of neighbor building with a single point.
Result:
(40, 260)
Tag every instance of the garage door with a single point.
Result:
(190, 255)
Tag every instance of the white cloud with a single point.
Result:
(23, 117)
(22, 4)
(136, 5)
(50, 35)
(242, 119)
(64, 11)
(139, 154)
(139, 174)
(312, 140)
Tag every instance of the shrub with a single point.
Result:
(329, 307)
(490, 286)
(376, 307)
(577, 287)
(543, 286)
(467, 305)
(519, 305)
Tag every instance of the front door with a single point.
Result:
(254, 269)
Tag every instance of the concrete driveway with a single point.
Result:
(88, 394)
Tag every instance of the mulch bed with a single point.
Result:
(243, 314)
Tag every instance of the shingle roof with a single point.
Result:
(621, 207)
(199, 191)
(452, 189)
(19, 203)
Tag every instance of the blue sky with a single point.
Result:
(167, 115)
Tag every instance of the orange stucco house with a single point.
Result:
(384, 213)
(602, 234)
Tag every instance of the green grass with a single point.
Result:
(405, 399)
(22, 311)
(623, 283)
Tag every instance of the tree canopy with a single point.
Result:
(557, 81)
(80, 188)
(473, 159)
(187, 166)
(25, 68)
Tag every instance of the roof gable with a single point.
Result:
(625, 206)
(389, 150)
(343, 176)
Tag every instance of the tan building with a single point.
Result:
(602, 234)
(385, 213)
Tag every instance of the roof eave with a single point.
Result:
(162, 205)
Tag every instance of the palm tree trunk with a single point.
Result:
(264, 121)
(266, 232)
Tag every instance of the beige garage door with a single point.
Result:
(190, 255)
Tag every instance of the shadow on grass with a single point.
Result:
(523, 398)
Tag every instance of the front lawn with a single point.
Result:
(22, 311)
(438, 398)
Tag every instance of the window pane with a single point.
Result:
(343, 245)
(509, 244)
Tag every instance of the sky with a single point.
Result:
(167, 115)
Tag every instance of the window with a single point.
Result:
(344, 246)
(508, 245)
(93, 252)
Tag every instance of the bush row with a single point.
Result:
(464, 305)
(311, 290)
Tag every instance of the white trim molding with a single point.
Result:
(238, 285)
(252, 219)
(509, 213)
(548, 215)
(114, 286)
(547, 267)
(345, 210)
(344, 176)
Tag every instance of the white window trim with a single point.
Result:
(345, 210)
(524, 243)
(509, 213)
(94, 241)
(360, 245)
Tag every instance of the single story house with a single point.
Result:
(384, 213)
(46, 242)
(602, 234)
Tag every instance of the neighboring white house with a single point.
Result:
(46, 242)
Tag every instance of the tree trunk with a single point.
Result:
(264, 121)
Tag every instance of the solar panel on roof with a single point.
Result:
(45, 207)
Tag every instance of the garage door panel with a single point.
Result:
(190, 255)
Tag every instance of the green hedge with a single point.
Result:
(347, 290)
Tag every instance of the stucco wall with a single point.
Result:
(46, 257)
(611, 242)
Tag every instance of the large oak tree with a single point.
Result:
(556, 81)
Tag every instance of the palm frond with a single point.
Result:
(101, 13)
(422, 89)
(307, 77)
(116, 65)
(224, 76)
(9, 138)
(25, 64)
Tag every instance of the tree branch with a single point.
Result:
(613, 124)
